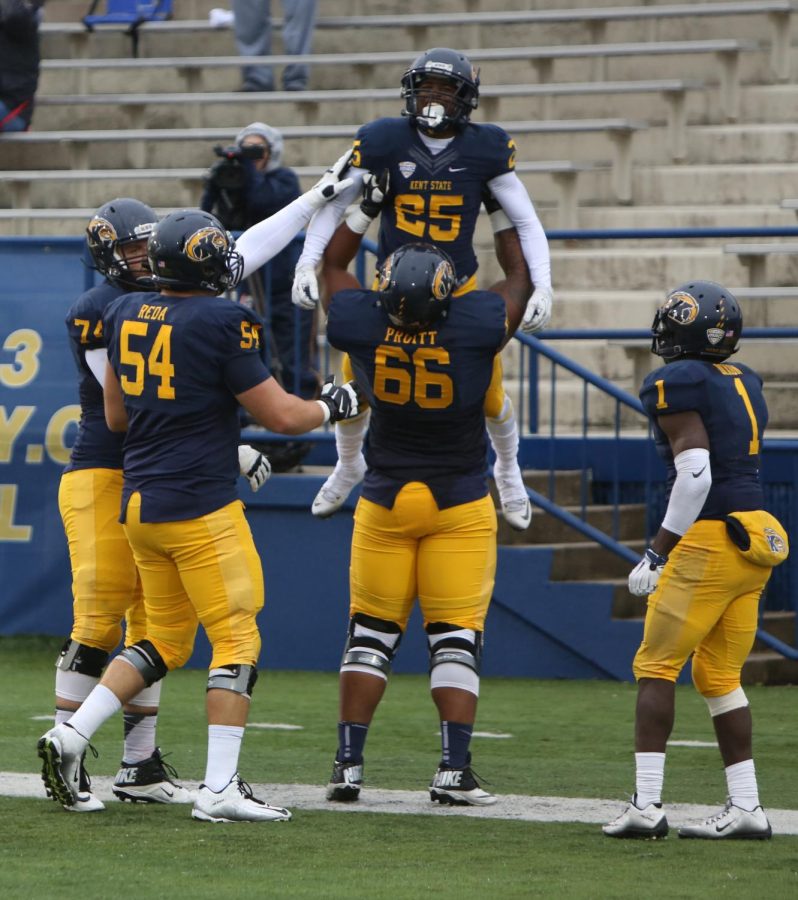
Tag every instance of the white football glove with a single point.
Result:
(538, 310)
(305, 289)
(330, 184)
(254, 466)
(644, 577)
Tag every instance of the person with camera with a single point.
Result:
(247, 184)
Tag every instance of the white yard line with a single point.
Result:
(517, 807)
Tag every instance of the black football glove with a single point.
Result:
(341, 401)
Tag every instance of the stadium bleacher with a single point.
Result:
(630, 116)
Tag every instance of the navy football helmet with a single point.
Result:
(118, 224)
(440, 111)
(190, 250)
(699, 320)
(415, 286)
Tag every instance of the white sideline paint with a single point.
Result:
(692, 744)
(275, 726)
(516, 807)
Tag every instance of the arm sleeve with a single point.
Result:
(511, 193)
(96, 360)
(266, 239)
(689, 491)
(326, 220)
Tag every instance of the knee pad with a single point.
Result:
(149, 662)
(76, 657)
(239, 678)
(455, 656)
(735, 699)
(370, 645)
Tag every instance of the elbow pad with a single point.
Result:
(689, 492)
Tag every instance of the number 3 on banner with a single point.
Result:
(27, 344)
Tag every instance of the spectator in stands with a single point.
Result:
(180, 362)
(252, 27)
(19, 61)
(710, 560)
(441, 164)
(248, 184)
(425, 524)
(105, 584)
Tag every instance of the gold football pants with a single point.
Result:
(706, 601)
(207, 570)
(446, 558)
(105, 584)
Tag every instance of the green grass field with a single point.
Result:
(569, 739)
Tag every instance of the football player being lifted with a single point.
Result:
(710, 560)
(439, 166)
(181, 361)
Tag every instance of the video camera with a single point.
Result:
(228, 174)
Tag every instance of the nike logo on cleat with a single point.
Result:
(720, 828)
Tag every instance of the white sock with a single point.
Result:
(224, 745)
(63, 715)
(139, 736)
(140, 726)
(649, 776)
(742, 786)
(100, 705)
(503, 432)
(349, 441)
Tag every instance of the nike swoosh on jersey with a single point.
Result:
(457, 170)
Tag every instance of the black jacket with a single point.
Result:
(19, 52)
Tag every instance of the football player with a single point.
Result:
(710, 559)
(180, 361)
(425, 525)
(440, 165)
(105, 583)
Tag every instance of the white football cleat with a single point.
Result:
(86, 801)
(516, 508)
(337, 488)
(731, 823)
(61, 751)
(634, 822)
(235, 803)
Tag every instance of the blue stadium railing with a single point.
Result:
(627, 464)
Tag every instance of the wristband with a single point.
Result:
(654, 559)
(499, 221)
(326, 410)
(358, 221)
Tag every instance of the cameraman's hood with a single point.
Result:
(271, 135)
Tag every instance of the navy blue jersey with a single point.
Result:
(433, 197)
(426, 392)
(180, 361)
(729, 399)
(95, 446)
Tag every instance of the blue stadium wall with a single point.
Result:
(536, 628)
